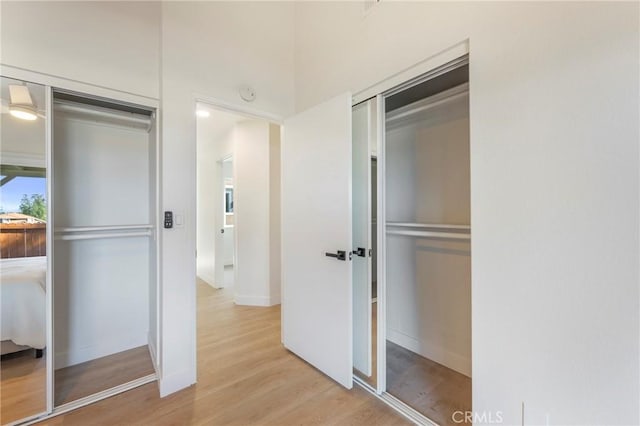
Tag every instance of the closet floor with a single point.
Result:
(428, 387)
(23, 386)
(80, 380)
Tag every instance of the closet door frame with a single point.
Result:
(51, 82)
(451, 58)
(49, 278)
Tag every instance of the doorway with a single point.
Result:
(238, 204)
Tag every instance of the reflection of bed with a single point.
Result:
(23, 306)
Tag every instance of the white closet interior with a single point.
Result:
(104, 252)
(428, 232)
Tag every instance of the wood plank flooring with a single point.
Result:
(430, 388)
(23, 386)
(87, 378)
(245, 377)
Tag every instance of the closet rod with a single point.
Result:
(428, 234)
(427, 225)
(102, 235)
(134, 120)
(391, 117)
(103, 228)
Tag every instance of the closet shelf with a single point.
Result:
(430, 234)
(427, 225)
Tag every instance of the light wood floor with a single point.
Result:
(430, 388)
(23, 386)
(80, 380)
(245, 377)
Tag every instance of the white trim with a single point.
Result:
(153, 353)
(49, 245)
(158, 236)
(431, 350)
(82, 402)
(24, 160)
(210, 280)
(76, 86)
(246, 300)
(177, 381)
(237, 109)
(381, 219)
(414, 71)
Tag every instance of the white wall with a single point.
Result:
(275, 273)
(554, 172)
(109, 44)
(252, 182)
(210, 49)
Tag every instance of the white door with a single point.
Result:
(316, 224)
(361, 160)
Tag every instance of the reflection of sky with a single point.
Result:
(11, 193)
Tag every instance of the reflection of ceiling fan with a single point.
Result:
(21, 104)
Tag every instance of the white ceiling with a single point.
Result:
(21, 136)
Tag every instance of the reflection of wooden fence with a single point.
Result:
(23, 240)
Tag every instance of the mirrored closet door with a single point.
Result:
(364, 119)
(23, 251)
(79, 298)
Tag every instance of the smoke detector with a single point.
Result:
(247, 93)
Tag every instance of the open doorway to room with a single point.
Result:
(238, 205)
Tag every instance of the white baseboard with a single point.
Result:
(175, 382)
(153, 352)
(104, 348)
(432, 351)
(253, 300)
(209, 279)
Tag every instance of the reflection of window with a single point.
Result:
(228, 205)
(228, 200)
(23, 212)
